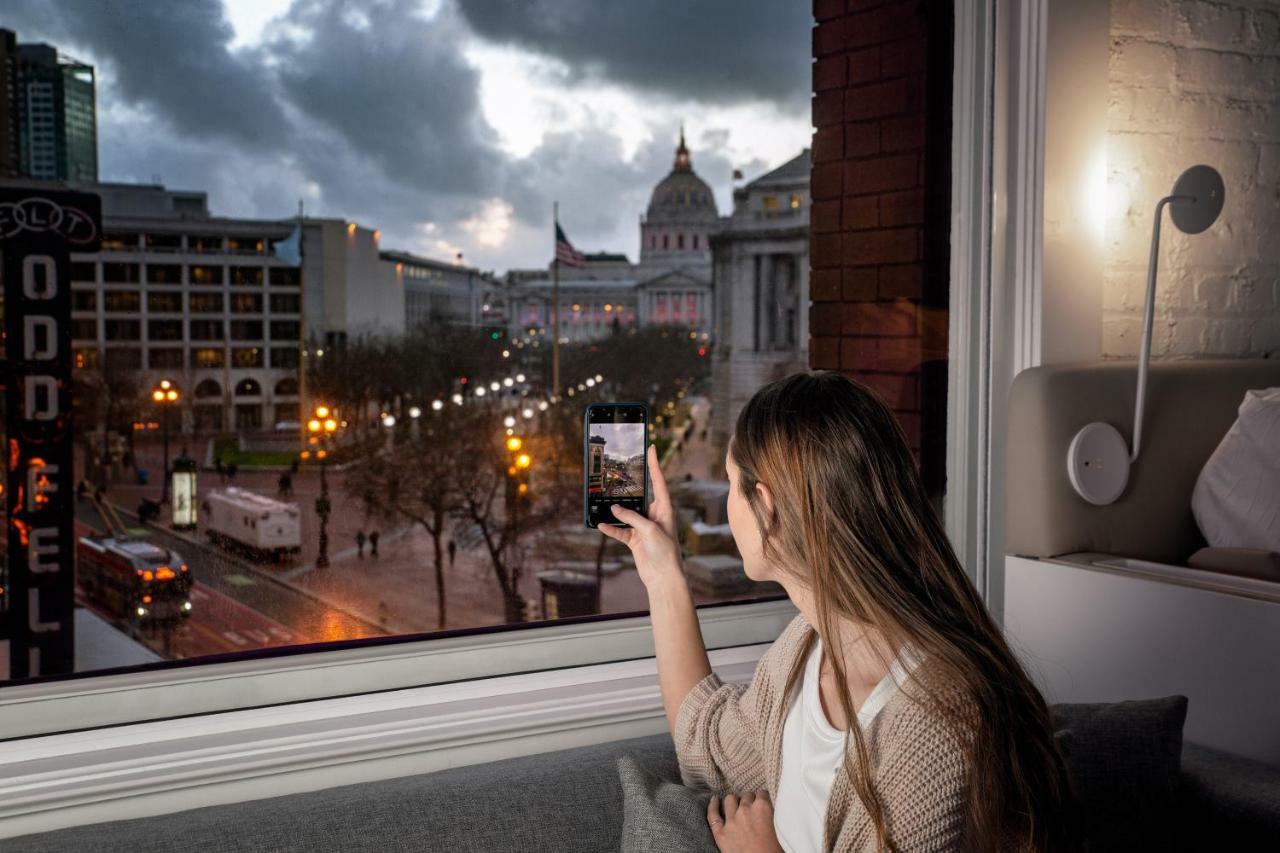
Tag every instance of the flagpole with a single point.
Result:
(555, 306)
(303, 407)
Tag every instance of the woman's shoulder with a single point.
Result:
(930, 706)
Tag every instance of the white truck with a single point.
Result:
(240, 519)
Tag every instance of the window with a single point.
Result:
(247, 357)
(285, 357)
(169, 358)
(246, 303)
(205, 275)
(164, 330)
(286, 276)
(124, 358)
(164, 273)
(123, 330)
(86, 358)
(164, 303)
(205, 303)
(113, 241)
(127, 301)
(115, 272)
(204, 244)
(246, 275)
(350, 349)
(248, 388)
(245, 245)
(795, 201)
(84, 271)
(769, 203)
(164, 242)
(206, 330)
(246, 330)
(84, 330)
(207, 357)
(285, 330)
(285, 303)
(84, 300)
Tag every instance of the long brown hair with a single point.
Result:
(852, 520)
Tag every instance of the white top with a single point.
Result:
(813, 752)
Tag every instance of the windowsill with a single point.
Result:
(142, 770)
(46, 708)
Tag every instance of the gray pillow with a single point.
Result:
(659, 815)
(1124, 759)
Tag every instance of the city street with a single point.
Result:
(240, 604)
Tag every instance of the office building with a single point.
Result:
(56, 105)
(198, 299)
(10, 158)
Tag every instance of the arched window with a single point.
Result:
(695, 242)
(287, 387)
(248, 388)
(208, 388)
(666, 241)
(680, 241)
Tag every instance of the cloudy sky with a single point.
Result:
(452, 125)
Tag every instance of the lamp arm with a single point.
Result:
(1148, 320)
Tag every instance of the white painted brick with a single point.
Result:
(1209, 23)
(1195, 81)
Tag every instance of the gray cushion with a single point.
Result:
(1245, 562)
(554, 802)
(660, 814)
(1228, 802)
(1124, 760)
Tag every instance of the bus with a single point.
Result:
(133, 579)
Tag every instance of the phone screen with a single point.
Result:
(614, 463)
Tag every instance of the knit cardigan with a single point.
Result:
(728, 737)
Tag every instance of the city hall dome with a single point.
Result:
(681, 196)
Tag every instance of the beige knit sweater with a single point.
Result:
(728, 738)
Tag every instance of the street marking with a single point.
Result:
(235, 638)
(236, 579)
(286, 636)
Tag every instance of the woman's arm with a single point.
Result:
(677, 637)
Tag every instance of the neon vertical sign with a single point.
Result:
(38, 232)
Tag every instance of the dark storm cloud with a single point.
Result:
(394, 86)
(171, 57)
(707, 50)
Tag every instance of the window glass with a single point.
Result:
(164, 303)
(205, 275)
(122, 300)
(205, 303)
(416, 300)
(164, 273)
(206, 330)
(164, 330)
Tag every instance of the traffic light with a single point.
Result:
(496, 333)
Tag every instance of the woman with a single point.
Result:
(890, 714)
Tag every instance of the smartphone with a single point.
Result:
(615, 465)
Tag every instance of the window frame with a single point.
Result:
(327, 671)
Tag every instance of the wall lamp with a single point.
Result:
(1098, 460)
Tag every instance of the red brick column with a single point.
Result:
(880, 217)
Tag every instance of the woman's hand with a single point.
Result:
(652, 540)
(747, 825)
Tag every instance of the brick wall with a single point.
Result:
(1195, 82)
(879, 220)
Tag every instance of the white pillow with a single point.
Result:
(1236, 501)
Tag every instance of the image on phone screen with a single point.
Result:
(614, 464)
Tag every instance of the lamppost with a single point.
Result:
(165, 396)
(323, 424)
(517, 489)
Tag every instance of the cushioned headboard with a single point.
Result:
(1190, 406)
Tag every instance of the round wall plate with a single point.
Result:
(1204, 185)
(1098, 463)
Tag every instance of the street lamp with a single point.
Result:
(165, 396)
(322, 426)
(517, 487)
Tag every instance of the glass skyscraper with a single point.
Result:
(57, 115)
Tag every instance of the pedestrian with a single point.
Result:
(359, 543)
(220, 468)
(231, 471)
(293, 467)
(453, 552)
(373, 543)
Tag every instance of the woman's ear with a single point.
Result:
(765, 496)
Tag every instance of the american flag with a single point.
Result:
(565, 253)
